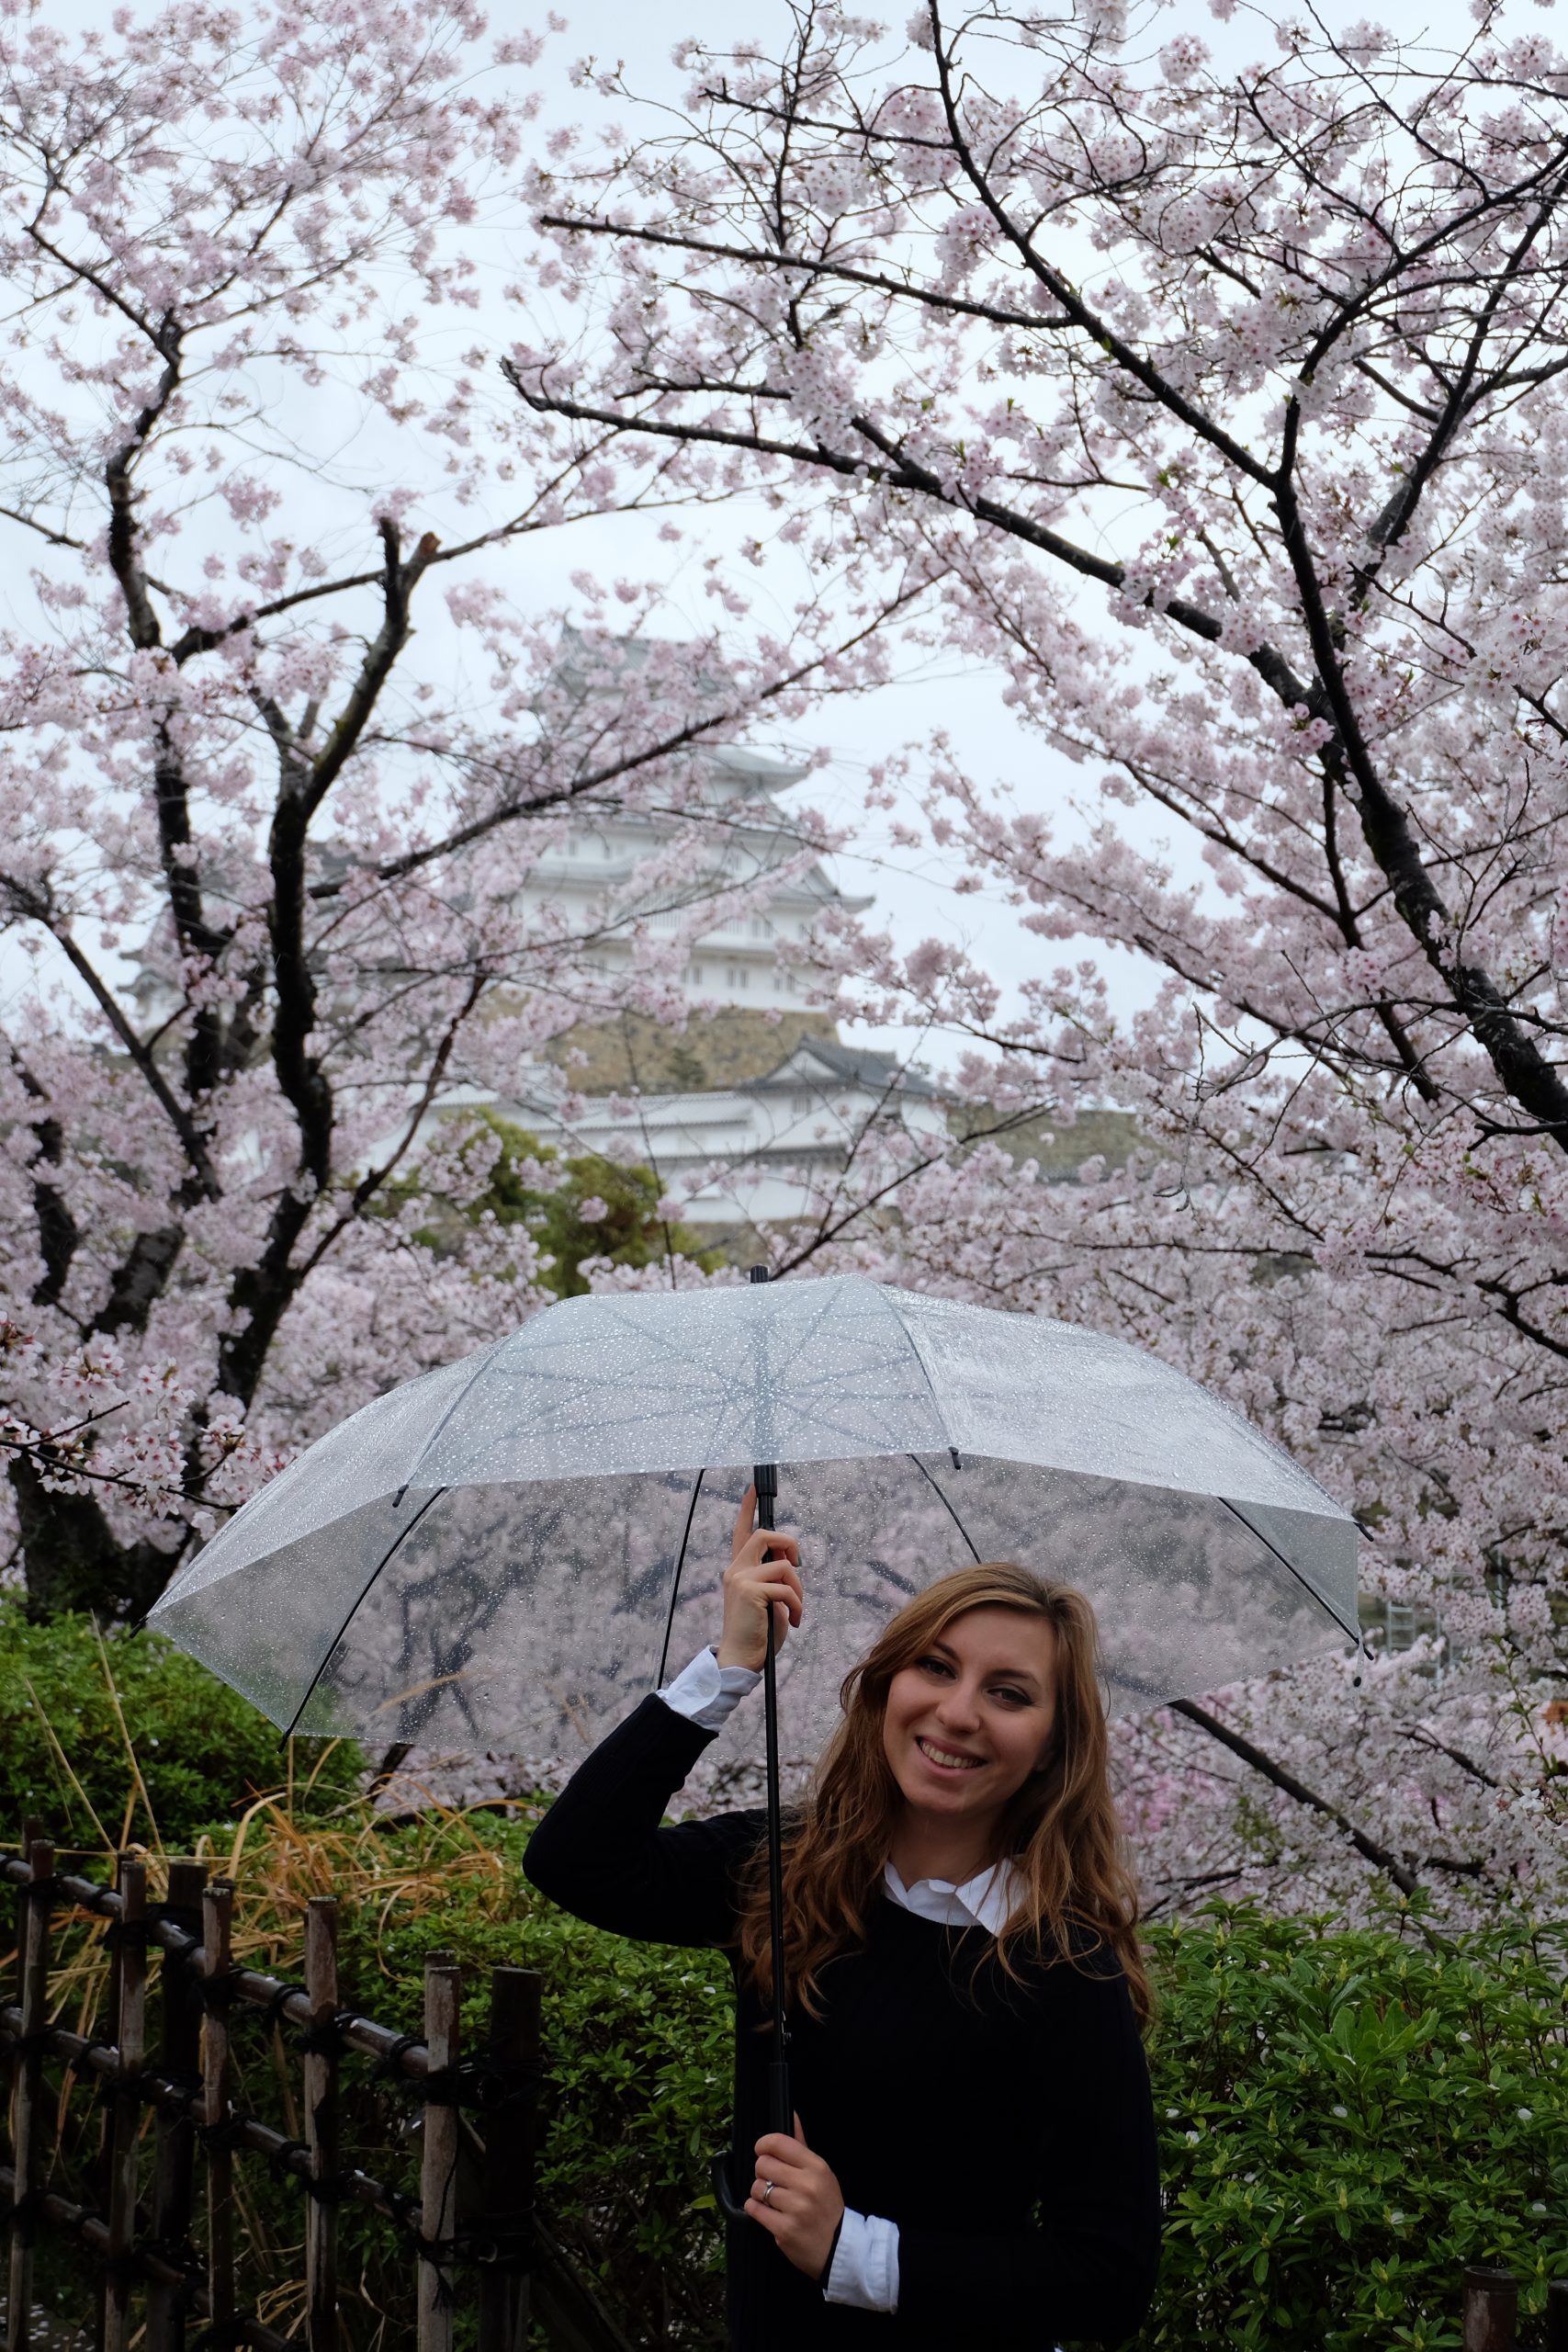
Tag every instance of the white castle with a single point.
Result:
(759, 1083)
(736, 962)
(765, 1083)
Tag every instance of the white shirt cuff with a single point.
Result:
(709, 1693)
(865, 2264)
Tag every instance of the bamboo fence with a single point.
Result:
(474, 2239)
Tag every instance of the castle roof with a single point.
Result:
(817, 1061)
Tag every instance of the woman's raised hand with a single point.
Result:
(752, 1586)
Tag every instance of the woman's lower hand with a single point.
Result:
(803, 2214)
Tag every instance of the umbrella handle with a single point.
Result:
(782, 2119)
(781, 2105)
(726, 2204)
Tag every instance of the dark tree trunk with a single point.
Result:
(75, 1560)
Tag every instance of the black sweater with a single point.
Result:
(957, 2121)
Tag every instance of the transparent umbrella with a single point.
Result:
(512, 1548)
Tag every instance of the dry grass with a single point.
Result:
(279, 1853)
(276, 1862)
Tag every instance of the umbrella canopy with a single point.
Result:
(489, 1554)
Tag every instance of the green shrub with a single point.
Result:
(1345, 2120)
(637, 2057)
(529, 1183)
(112, 1738)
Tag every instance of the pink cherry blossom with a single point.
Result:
(286, 746)
(1222, 412)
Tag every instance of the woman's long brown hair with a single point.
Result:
(1060, 1827)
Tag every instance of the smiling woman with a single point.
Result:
(974, 1733)
(973, 2152)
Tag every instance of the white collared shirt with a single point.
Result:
(865, 2261)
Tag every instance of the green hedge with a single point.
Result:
(1347, 2120)
(114, 1737)
(638, 2069)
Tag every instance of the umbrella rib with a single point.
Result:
(1353, 1632)
(476, 1374)
(1136, 1683)
(820, 1313)
(674, 1590)
(327, 1654)
(947, 1506)
(909, 1339)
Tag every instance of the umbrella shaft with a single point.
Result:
(780, 2105)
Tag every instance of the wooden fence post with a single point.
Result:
(322, 2122)
(130, 2025)
(27, 2083)
(113, 1943)
(175, 2135)
(504, 2210)
(1491, 2310)
(1557, 2316)
(438, 2171)
(217, 1937)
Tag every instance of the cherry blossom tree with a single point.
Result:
(282, 748)
(1221, 408)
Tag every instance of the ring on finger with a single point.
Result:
(768, 2188)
